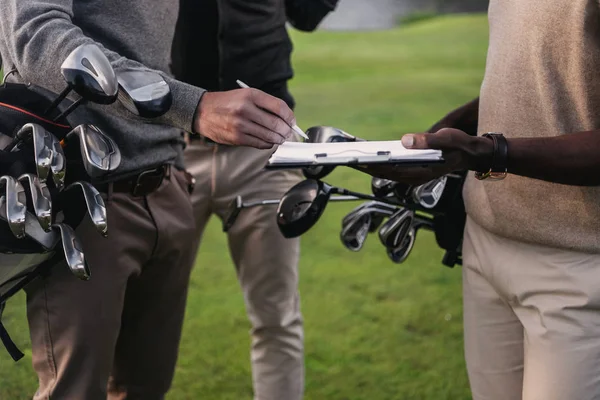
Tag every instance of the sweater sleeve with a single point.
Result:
(38, 35)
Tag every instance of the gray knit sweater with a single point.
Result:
(37, 35)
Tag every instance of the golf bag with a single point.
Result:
(23, 259)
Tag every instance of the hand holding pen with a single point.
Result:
(244, 117)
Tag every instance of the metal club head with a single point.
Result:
(324, 134)
(73, 252)
(15, 205)
(429, 194)
(401, 253)
(33, 229)
(42, 153)
(302, 206)
(95, 205)
(99, 152)
(355, 231)
(377, 209)
(58, 165)
(89, 73)
(144, 93)
(40, 199)
(393, 232)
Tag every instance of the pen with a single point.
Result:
(296, 128)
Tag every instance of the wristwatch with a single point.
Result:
(498, 169)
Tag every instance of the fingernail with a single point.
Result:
(408, 141)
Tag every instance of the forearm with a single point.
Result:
(39, 34)
(572, 159)
(464, 118)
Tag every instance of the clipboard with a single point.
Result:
(302, 154)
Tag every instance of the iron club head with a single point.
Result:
(40, 200)
(99, 152)
(400, 254)
(73, 252)
(144, 93)
(15, 205)
(95, 205)
(395, 229)
(42, 153)
(429, 194)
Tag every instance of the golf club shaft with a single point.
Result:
(69, 109)
(58, 100)
(276, 202)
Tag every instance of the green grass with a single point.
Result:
(374, 330)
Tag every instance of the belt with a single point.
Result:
(141, 184)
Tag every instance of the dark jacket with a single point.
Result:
(219, 41)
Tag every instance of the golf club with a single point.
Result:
(378, 212)
(99, 152)
(41, 152)
(58, 165)
(73, 254)
(95, 205)
(400, 254)
(429, 194)
(15, 207)
(40, 199)
(88, 72)
(355, 231)
(237, 205)
(363, 220)
(382, 187)
(325, 134)
(144, 93)
(302, 206)
(33, 230)
(393, 232)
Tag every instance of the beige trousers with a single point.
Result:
(266, 262)
(125, 322)
(532, 320)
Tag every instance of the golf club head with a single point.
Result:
(301, 207)
(144, 93)
(356, 229)
(88, 72)
(378, 212)
(42, 153)
(429, 194)
(401, 253)
(393, 232)
(95, 205)
(99, 152)
(73, 251)
(324, 134)
(33, 229)
(40, 200)
(58, 165)
(15, 205)
(382, 187)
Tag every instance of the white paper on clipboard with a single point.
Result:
(348, 153)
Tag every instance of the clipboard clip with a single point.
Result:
(381, 156)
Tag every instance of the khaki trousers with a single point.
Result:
(125, 322)
(266, 262)
(532, 320)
